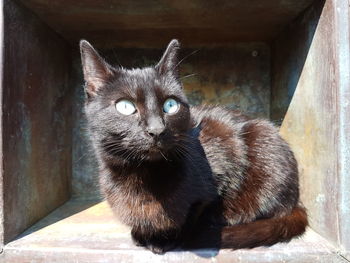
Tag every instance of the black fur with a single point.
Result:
(205, 167)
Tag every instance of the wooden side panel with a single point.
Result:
(1, 114)
(237, 76)
(36, 120)
(312, 122)
(342, 43)
(85, 183)
(289, 52)
(152, 23)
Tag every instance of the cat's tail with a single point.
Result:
(263, 232)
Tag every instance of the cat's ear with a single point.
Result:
(168, 62)
(96, 70)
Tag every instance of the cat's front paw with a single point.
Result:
(161, 249)
(138, 239)
(158, 243)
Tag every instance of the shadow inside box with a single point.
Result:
(70, 208)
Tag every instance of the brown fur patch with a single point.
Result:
(265, 232)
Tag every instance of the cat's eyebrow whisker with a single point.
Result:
(192, 53)
(116, 57)
(187, 76)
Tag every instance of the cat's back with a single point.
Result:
(217, 113)
(218, 123)
(250, 161)
(221, 138)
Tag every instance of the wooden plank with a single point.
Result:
(1, 152)
(36, 120)
(315, 120)
(289, 51)
(152, 23)
(341, 14)
(82, 231)
(311, 126)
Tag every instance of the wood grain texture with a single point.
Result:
(153, 23)
(342, 60)
(36, 120)
(310, 71)
(315, 122)
(83, 231)
(288, 54)
(1, 115)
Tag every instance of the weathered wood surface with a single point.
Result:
(1, 114)
(152, 23)
(36, 120)
(288, 54)
(311, 122)
(88, 232)
(317, 120)
(341, 12)
(312, 54)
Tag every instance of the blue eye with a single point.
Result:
(125, 107)
(171, 106)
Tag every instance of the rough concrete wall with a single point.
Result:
(237, 76)
(36, 116)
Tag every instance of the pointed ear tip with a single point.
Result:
(175, 42)
(84, 44)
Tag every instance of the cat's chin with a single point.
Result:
(154, 155)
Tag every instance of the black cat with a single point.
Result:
(186, 176)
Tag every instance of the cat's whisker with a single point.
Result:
(141, 160)
(244, 133)
(108, 147)
(184, 153)
(130, 155)
(163, 155)
(89, 152)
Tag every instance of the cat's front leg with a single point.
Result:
(158, 242)
(137, 238)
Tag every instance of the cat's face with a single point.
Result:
(135, 115)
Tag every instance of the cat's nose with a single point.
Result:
(155, 127)
(155, 131)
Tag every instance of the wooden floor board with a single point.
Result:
(87, 231)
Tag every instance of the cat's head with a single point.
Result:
(138, 114)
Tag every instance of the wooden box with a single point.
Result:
(285, 60)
